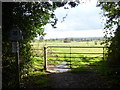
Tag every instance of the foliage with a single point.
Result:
(67, 40)
(30, 17)
(112, 73)
(111, 68)
(112, 30)
(36, 80)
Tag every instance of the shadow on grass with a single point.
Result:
(36, 80)
(111, 72)
(86, 65)
(78, 78)
(81, 69)
(81, 76)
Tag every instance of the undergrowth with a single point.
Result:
(37, 78)
(112, 73)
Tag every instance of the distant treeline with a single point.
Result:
(67, 40)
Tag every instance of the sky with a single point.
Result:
(85, 20)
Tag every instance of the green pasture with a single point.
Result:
(77, 60)
(79, 63)
(39, 44)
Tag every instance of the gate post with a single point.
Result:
(45, 58)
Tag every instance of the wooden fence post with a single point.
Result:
(45, 58)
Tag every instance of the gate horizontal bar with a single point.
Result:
(74, 53)
(75, 57)
(36, 49)
(76, 61)
(73, 47)
(60, 60)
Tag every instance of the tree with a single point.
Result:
(95, 42)
(72, 39)
(29, 17)
(112, 12)
(67, 40)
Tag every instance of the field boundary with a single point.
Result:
(70, 53)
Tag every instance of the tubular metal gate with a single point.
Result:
(74, 56)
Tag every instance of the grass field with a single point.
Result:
(77, 60)
(39, 78)
(39, 44)
(79, 64)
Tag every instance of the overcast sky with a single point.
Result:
(84, 20)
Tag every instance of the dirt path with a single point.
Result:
(78, 80)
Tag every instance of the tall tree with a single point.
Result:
(29, 17)
(112, 34)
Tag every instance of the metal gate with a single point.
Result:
(71, 56)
